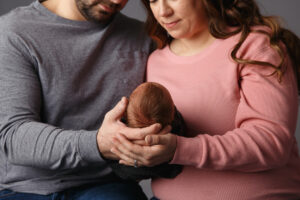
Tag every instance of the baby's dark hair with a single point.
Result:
(150, 103)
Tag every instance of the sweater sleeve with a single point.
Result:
(24, 139)
(265, 123)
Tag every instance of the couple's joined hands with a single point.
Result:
(149, 146)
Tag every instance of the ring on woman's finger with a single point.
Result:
(135, 164)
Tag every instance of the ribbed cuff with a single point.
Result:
(88, 147)
(188, 151)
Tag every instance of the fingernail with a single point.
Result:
(149, 140)
(158, 126)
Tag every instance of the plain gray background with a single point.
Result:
(288, 10)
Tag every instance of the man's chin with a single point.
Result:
(105, 19)
(101, 17)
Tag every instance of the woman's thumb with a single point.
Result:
(155, 139)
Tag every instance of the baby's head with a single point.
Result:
(150, 103)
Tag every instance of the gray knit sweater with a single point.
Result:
(58, 78)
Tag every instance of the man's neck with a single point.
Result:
(64, 8)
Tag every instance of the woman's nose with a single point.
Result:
(164, 9)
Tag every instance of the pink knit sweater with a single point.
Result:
(241, 124)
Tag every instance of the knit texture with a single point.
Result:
(58, 78)
(241, 123)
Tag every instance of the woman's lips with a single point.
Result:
(171, 24)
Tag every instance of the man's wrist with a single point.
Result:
(88, 146)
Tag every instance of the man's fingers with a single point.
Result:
(126, 147)
(139, 142)
(124, 162)
(125, 159)
(141, 133)
(119, 109)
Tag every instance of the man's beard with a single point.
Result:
(91, 13)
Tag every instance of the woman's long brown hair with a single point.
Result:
(243, 15)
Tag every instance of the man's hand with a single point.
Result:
(112, 126)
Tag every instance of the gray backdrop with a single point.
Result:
(288, 10)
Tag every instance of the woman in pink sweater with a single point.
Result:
(232, 74)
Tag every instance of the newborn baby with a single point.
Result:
(150, 103)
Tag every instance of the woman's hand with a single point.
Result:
(161, 148)
(112, 126)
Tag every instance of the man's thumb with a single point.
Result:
(119, 109)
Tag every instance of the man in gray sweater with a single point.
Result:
(63, 65)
